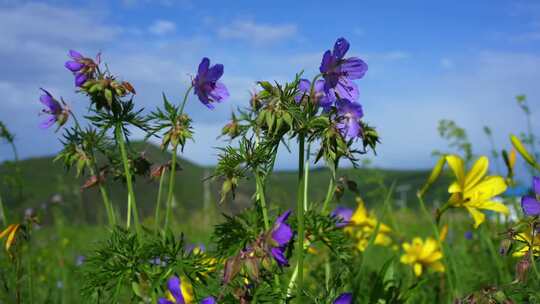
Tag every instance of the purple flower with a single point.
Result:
(338, 71)
(320, 98)
(281, 235)
(344, 298)
(342, 215)
(206, 84)
(173, 285)
(80, 66)
(531, 204)
(79, 260)
(469, 235)
(56, 111)
(209, 300)
(349, 115)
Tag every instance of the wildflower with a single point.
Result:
(344, 298)
(209, 300)
(362, 225)
(338, 71)
(179, 292)
(342, 215)
(80, 260)
(474, 190)
(531, 204)
(319, 97)
(281, 236)
(58, 112)
(422, 254)
(348, 121)
(10, 232)
(527, 241)
(206, 84)
(469, 235)
(82, 67)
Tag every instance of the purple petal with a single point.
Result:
(279, 255)
(283, 217)
(340, 48)
(73, 66)
(344, 298)
(326, 63)
(215, 72)
(48, 122)
(203, 67)
(75, 55)
(536, 185)
(530, 206)
(209, 300)
(173, 284)
(164, 301)
(351, 129)
(347, 89)
(304, 85)
(219, 93)
(354, 68)
(282, 234)
(80, 79)
(343, 215)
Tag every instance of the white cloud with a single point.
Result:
(162, 27)
(257, 33)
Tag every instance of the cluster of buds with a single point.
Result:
(179, 132)
(105, 91)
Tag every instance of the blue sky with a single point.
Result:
(428, 60)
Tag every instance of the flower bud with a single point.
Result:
(516, 142)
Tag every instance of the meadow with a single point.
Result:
(114, 219)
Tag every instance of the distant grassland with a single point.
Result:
(43, 178)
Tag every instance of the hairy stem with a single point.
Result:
(158, 200)
(300, 219)
(132, 204)
(170, 195)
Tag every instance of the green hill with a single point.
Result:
(44, 178)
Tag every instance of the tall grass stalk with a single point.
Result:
(158, 200)
(300, 219)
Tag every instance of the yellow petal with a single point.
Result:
(478, 216)
(360, 215)
(457, 165)
(407, 259)
(406, 246)
(430, 246)
(493, 206)
(443, 233)
(6, 231)
(437, 266)
(418, 269)
(11, 236)
(455, 187)
(437, 255)
(491, 186)
(187, 290)
(477, 172)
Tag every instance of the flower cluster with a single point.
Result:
(361, 225)
(337, 88)
(83, 68)
(423, 254)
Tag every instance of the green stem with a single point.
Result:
(104, 196)
(446, 254)
(331, 188)
(484, 233)
(158, 200)
(170, 195)
(185, 100)
(262, 200)
(132, 205)
(306, 179)
(300, 218)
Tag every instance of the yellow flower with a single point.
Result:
(526, 243)
(474, 190)
(11, 232)
(362, 225)
(422, 254)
